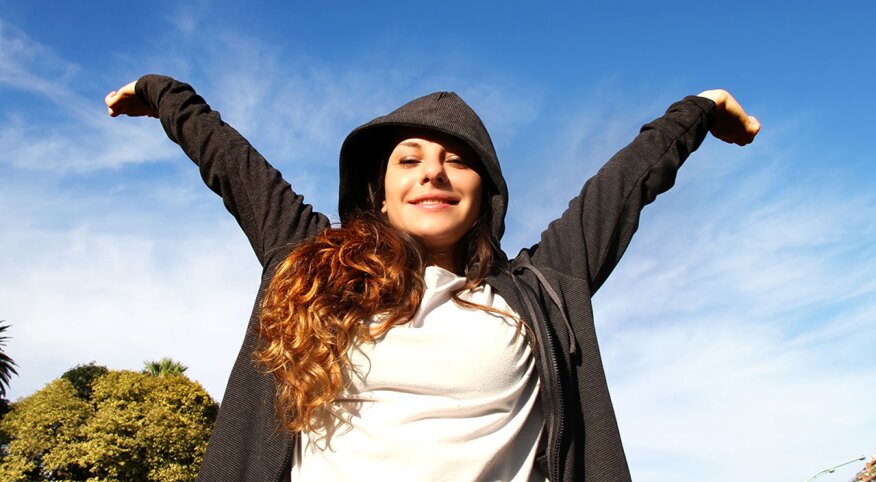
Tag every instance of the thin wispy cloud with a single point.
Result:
(75, 136)
(729, 397)
(118, 299)
(724, 325)
(31, 67)
(297, 109)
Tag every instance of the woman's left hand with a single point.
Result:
(125, 101)
(732, 124)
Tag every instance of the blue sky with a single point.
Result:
(737, 332)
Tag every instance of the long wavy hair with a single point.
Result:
(324, 295)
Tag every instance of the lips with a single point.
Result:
(434, 200)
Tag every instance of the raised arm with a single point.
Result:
(593, 233)
(269, 212)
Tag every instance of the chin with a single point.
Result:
(435, 241)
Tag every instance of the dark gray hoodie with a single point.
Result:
(550, 284)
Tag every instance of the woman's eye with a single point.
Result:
(407, 162)
(457, 161)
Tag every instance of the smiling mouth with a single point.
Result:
(435, 202)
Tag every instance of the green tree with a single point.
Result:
(164, 367)
(135, 427)
(42, 431)
(7, 365)
(82, 378)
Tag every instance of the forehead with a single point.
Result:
(420, 139)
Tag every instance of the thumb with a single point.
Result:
(753, 125)
(752, 121)
(110, 101)
(110, 97)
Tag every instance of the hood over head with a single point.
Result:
(445, 112)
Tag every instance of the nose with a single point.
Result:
(433, 171)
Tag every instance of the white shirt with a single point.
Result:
(451, 395)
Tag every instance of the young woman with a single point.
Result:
(404, 344)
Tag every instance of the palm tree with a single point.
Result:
(7, 365)
(164, 367)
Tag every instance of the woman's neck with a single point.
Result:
(443, 259)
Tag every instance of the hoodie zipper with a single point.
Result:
(555, 389)
(550, 368)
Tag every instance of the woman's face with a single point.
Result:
(432, 190)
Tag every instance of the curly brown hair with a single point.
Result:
(316, 306)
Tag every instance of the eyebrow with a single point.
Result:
(456, 149)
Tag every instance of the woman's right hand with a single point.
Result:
(125, 101)
(732, 124)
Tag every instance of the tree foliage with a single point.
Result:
(82, 378)
(42, 429)
(7, 365)
(135, 427)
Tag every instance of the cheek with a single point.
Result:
(477, 192)
(393, 192)
(396, 184)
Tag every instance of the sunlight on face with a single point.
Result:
(432, 190)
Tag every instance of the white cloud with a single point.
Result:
(564, 151)
(76, 294)
(76, 135)
(730, 399)
(82, 145)
(30, 66)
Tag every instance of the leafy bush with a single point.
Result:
(134, 427)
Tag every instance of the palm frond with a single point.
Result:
(7, 364)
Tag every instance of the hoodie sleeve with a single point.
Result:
(269, 212)
(593, 233)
